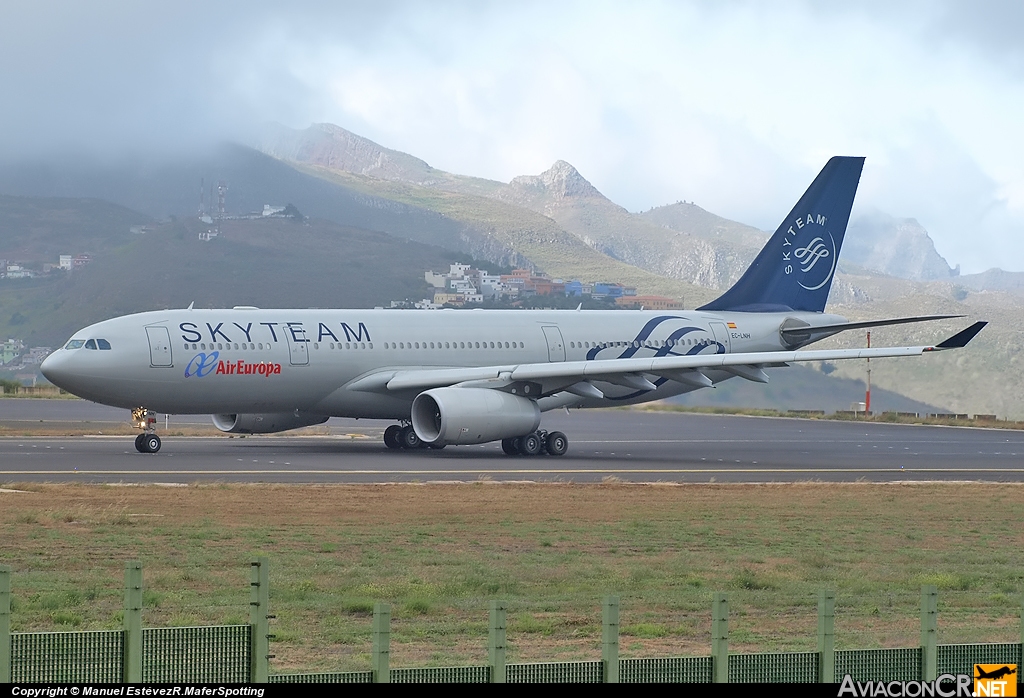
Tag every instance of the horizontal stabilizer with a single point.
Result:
(802, 333)
(961, 338)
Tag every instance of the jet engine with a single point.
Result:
(472, 415)
(265, 423)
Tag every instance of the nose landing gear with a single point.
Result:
(147, 441)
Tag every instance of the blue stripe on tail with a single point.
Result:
(795, 269)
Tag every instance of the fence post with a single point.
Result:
(131, 668)
(610, 639)
(720, 639)
(381, 656)
(496, 642)
(259, 620)
(929, 632)
(5, 624)
(826, 636)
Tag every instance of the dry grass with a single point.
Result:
(438, 553)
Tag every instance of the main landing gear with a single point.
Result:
(147, 441)
(553, 443)
(404, 437)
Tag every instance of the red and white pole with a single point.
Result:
(867, 396)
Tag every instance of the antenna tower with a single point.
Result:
(222, 190)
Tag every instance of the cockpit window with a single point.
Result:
(75, 344)
(91, 344)
(103, 344)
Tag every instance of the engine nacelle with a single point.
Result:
(472, 415)
(265, 423)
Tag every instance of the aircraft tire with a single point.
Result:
(409, 439)
(556, 443)
(139, 445)
(509, 447)
(436, 446)
(530, 445)
(151, 443)
(392, 436)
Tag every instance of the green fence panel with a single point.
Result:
(81, 657)
(555, 672)
(960, 659)
(665, 670)
(454, 674)
(774, 667)
(325, 677)
(210, 654)
(900, 664)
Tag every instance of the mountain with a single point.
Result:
(270, 262)
(899, 247)
(564, 195)
(995, 280)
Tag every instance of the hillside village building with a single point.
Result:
(464, 284)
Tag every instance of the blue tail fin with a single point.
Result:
(794, 270)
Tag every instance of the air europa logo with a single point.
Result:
(242, 368)
(204, 364)
(809, 249)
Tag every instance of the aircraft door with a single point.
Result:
(159, 347)
(556, 347)
(722, 335)
(298, 346)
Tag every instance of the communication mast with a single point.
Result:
(222, 190)
(202, 202)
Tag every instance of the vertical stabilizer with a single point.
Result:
(794, 271)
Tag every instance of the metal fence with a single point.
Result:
(240, 653)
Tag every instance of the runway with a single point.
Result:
(626, 445)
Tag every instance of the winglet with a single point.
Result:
(961, 338)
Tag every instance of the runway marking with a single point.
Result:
(519, 471)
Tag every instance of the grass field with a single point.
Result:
(438, 553)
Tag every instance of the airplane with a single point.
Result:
(455, 377)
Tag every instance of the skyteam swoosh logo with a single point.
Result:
(809, 251)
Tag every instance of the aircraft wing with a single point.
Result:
(630, 372)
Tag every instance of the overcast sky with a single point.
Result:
(732, 105)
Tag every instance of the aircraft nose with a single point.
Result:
(55, 369)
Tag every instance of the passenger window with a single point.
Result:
(91, 344)
(103, 344)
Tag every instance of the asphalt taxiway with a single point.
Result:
(631, 446)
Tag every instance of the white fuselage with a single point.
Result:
(248, 360)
